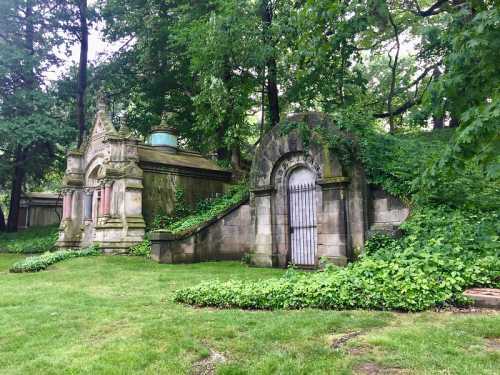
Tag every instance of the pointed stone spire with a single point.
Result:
(102, 101)
(124, 130)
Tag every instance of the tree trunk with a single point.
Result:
(236, 157)
(16, 191)
(393, 64)
(437, 121)
(454, 121)
(2, 220)
(272, 70)
(82, 70)
(19, 157)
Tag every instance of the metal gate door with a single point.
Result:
(302, 222)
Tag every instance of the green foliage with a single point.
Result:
(31, 240)
(442, 253)
(41, 262)
(208, 210)
(180, 211)
(143, 249)
(247, 258)
(450, 242)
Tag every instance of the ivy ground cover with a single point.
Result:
(116, 315)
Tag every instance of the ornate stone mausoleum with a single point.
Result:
(115, 184)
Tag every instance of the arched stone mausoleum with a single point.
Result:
(306, 205)
(115, 184)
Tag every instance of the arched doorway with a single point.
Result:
(302, 216)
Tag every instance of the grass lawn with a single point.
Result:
(115, 315)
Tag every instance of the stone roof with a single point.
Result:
(182, 159)
(41, 195)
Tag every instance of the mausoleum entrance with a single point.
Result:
(302, 222)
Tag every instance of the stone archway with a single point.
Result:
(277, 156)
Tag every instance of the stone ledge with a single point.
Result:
(484, 297)
(262, 190)
(334, 182)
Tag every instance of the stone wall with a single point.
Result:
(227, 237)
(385, 212)
(39, 209)
(160, 187)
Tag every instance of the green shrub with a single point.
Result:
(31, 240)
(450, 242)
(443, 252)
(141, 249)
(208, 209)
(41, 262)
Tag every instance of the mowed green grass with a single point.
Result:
(115, 315)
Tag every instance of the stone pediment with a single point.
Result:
(101, 131)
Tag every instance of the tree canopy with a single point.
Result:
(231, 69)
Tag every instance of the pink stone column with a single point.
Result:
(107, 199)
(67, 205)
(101, 202)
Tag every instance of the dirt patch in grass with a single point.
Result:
(206, 366)
(466, 310)
(358, 350)
(338, 341)
(493, 344)
(371, 368)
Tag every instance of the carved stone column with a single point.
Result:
(67, 204)
(107, 198)
(102, 200)
(87, 205)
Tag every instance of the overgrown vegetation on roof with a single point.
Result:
(184, 219)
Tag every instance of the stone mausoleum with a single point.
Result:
(304, 205)
(115, 184)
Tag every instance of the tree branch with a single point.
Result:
(431, 11)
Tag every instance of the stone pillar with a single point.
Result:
(87, 205)
(101, 201)
(107, 199)
(67, 204)
(262, 223)
(332, 220)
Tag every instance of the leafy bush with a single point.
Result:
(31, 240)
(429, 267)
(180, 211)
(143, 249)
(208, 210)
(41, 262)
(450, 242)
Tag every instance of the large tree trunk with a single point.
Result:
(16, 191)
(82, 70)
(272, 70)
(2, 220)
(223, 152)
(19, 158)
